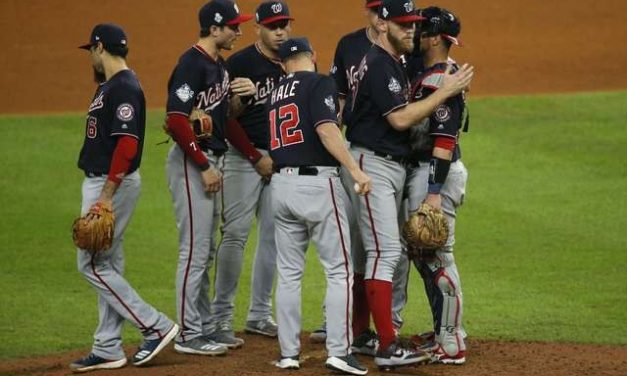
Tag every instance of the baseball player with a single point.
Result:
(200, 80)
(438, 177)
(378, 132)
(246, 192)
(110, 158)
(307, 149)
(349, 52)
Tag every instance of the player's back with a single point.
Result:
(298, 104)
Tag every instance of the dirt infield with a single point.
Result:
(517, 46)
(256, 357)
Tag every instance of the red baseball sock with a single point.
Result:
(361, 311)
(380, 301)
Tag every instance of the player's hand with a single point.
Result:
(95, 208)
(264, 167)
(363, 184)
(435, 200)
(243, 87)
(455, 83)
(211, 180)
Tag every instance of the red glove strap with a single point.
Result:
(125, 151)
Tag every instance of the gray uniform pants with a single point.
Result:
(312, 207)
(378, 213)
(244, 194)
(441, 278)
(117, 301)
(197, 216)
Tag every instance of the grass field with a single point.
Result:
(541, 247)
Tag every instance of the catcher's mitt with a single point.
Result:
(426, 229)
(94, 231)
(199, 121)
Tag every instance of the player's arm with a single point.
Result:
(452, 84)
(238, 138)
(125, 128)
(332, 139)
(325, 120)
(338, 73)
(242, 90)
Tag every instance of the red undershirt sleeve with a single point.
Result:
(240, 141)
(447, 143)
(125, 151)
(184, 136)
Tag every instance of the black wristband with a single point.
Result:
(438, 171)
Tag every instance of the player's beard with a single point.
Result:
(401, 46)
(99, 77)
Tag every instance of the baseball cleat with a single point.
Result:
(319, 335)
(423, 338)
(225, 336)
(266, 327)
(290, 362)
(93, 362)
(367, 343)
(200, 346)
(441, 357)
(347, 364)
(396, 355)
(149, 349)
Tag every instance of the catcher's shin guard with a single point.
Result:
(449, 311)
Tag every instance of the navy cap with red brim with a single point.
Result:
(240, 19)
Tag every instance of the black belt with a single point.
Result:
(388, 157)
(90, 174)
(303, 170)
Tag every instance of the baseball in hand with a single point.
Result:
(356, 188)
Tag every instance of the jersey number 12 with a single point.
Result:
(288, 115)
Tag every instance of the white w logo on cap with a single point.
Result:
(277, 8)
(409, 6)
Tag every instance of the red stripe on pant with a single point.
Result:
(191, 247)
(144, 328)
(345, 255)
(374, 231)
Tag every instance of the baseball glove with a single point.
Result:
(426, 229)
(199, 121)
(93, 232)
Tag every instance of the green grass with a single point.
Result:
(540, 245)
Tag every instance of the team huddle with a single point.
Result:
(261, 135)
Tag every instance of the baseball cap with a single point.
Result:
(373, 3)
(220, 13)
(439, 21)
(293, 46)
(108, 33)
(272, 11)
(399, 11)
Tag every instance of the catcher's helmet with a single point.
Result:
(439, 21)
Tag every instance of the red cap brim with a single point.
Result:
(372, 4)
(407, 18)
(275, 19)
(86, 46)
(240, 19)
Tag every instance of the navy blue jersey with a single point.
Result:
(301, 102)
(445, 121)
(350, 50)
(265, 73)
(198, 81)
(118, 109)
(381, 89)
